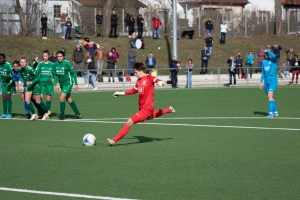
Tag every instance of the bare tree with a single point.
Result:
(278, 14)
(108, 9)
(22, 18)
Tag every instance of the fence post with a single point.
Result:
(95, 22)
(247, 76)
(267, 31)
(288, 19)
(123, 84)
(246, 25)
(219, 76)
(123, 31)
(199, 21)
(7, 32)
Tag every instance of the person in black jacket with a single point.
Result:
(239, 64)
(209, 26)
(131, 25)
(276, 50)
(232, 71)
(174, 68)
(99, 20)
(140, 25)
(113, 25)
(44, 25)
(204, 60)
(111, 66)
(78, 57)
(127, 21)
(209, 43)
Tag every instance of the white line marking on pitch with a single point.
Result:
(60, 194)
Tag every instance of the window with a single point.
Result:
(262, 16)
(57, 9)
(226, 16)
(294, 15)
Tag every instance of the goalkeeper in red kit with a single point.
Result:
(145, 87)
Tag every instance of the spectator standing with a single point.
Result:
(260, 58)
(78, 57)
(53, 58)
(209, 26)
(276, 50)
(140, 25)
(223, 32)
(66, 55)
(174, 68)
(99, 21)
(91, 74)
(290, 54)
(209, 43)
(232, 71)
(63, 19)
(189, 72)
(156, 23)
(204, 60)
(113, 25)
(127, 23)
(91, 47)
(100, 57)
(250, 62)
(150, 62)
(239, 64)
(131, 26)
(116, 56)
(69, 26)
(295, 68)
(44, 20)
(111, 66)
(131, 60)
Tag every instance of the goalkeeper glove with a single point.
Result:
(160, 83)
(116, 94)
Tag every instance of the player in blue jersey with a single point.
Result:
(270, 80)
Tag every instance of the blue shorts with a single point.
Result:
(270, 84)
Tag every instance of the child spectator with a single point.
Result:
(69, 26)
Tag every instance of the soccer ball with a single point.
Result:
(89, 140)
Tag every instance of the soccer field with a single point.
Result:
(218, 145)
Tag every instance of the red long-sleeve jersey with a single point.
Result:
(145, 87)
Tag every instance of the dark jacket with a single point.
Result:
(99, 19)
(131, 24)
(91, 68)
(78, 56)
(208, 41)
(68, 24)
(294, 66)
(53, 59)
(127, 20)
(153, 62)
(131, 56)
(91, 50)
(209, 25)
(229, 66)
(139, 21)
(276, 51)
(44, 21)
(239, 61)
(173, 66)
(204, 55)
(114, 20)
(110, 62)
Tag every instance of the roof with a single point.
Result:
(136, 3)
(225, 2)
(290, 2)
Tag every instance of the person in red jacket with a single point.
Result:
(156, 23)
(145, 88)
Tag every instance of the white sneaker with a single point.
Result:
(46, 115)
(95, 88)
(110, 142)
(275, 114)
(45, 38)
(87, 85)
(33, 117)
(172, 110)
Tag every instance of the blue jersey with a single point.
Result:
(269, 68)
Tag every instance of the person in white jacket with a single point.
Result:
(223, 32)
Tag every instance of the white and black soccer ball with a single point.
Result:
(89, 140)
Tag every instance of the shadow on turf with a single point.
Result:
(143, 139)
(260, 113)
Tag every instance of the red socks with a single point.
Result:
(122, 133)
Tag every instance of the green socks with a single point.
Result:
(9, 106)
(62, 108)
(74, 108)
(30, 107)
(48, 105)
(4, 106)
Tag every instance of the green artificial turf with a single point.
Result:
(218, 145)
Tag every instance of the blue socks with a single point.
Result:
(272, 107)
(26, 108)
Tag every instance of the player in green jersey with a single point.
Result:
(32, 87)
(45, 72)
(7, 86)
(64, 72)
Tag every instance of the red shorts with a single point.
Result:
(141, 116)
